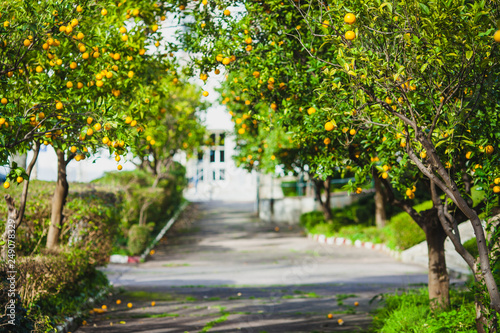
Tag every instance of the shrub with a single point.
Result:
(402, 232)
(138, 238)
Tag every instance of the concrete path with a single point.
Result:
(231, 273)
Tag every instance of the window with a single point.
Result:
(212, 156)
(222, 155)
(200, 175)
(212, 139)
(222, 138)
(200, 156)
(222, 174)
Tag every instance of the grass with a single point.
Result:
(175, 265)
(410, 312)
(154, 296)
(224, 316)
(158, 315)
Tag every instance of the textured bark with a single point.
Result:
(58, 202)
(380, 215)
(439, 281)
(325, 204)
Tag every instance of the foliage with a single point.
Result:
(356, 222)
(410, 312)
(138, 238)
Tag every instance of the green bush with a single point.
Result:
(138, 238)
(410, 312)
(402, 232)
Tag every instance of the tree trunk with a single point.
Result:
(325, 204)
(380, 215)
(14, 216)
(439, 281)
(58, 201)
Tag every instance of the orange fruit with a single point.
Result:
(227, 12)
(129, 305)
(385, 175)
(59, 106)
(205, 93)
(349, 18)
(104, 12)
(330, 316)
(352, 131)
(359, 190)
(489, 149)
(329, 126)
(6, 185)
(20, 180)
(3, 101)
(118, 301)
(496, 36)
(496, 189)
(350, 35)
(311, 110)
(423, 154)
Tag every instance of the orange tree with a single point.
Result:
(72, 73)
(360, 76)
(171, 125)
(405, 68)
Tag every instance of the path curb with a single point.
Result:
(345, 241)
(340, 241)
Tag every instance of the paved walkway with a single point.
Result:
(231, 273)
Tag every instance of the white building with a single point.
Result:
(213, 174)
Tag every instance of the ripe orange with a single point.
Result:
(73, 149)
(311, 110)
(496, 36)
(152, 142)
(350, 35)
(6, 185)
(27, 42)
(352, 131)
(349, 18)
(205, 93)
(153, 303)
(496, 189)
(90, 131)
(356, 303)
(3, 101)
(423, 154)
(241, 131)
(69, 84)
(117, 158)
(489, 149)
(385, 175)
(226, 61)
(329, 126)
(97, 127)
(130, 74)
(468, 155)
(118, 301)
(39, 69)
(359, 190)
(99, 83)
(129, 305)
(20, 179)
(79, 9)
(104, 12)
(59, 106)
(330, 316)
(133, 123)
(154, 28)
(73, 65)
(227, 12)
(123, 30)
(327, 141)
